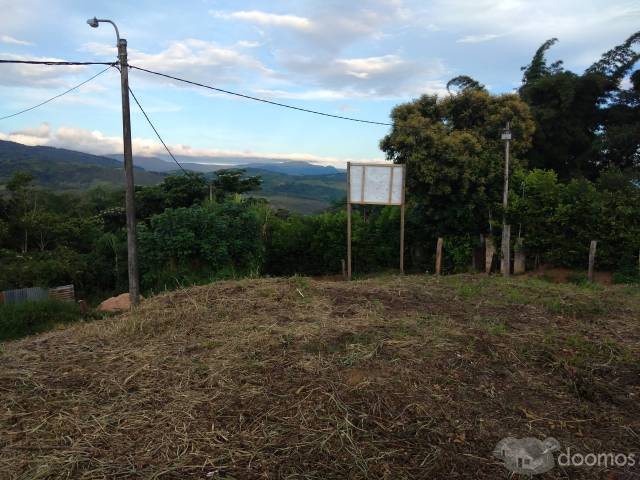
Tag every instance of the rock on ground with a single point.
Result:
(121, 303)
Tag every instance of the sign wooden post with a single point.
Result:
(348, 220)
(375, 184)
(402, 238)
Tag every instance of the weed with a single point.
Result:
(212, 344)
(492, 326)
(22, 319)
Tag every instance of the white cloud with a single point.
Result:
(41, 131)
(381, 77)
(247, 44)
(100, 49)
(24, 75)
(13, 41)
(309, 51)
(485, 37)
(319, 94)
(365, 68)
(193, 59)
(96, 142)
(268, 19)
(328, 25)
(539, 20)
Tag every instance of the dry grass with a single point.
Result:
(396, 377)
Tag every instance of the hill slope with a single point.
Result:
(300, 193)
(396, 377)
(61, 169)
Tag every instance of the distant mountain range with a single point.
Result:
(297, 186)
(208, 164)
(62, 169)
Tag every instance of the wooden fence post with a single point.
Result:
(592, 258)
(490, 251)
(439, 256)
(505, 252)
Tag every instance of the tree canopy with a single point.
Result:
(585, 122)
(454, 154)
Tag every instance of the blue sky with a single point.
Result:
(348, 58)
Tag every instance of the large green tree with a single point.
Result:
(234, 181)
(584, 122)
(455, 156)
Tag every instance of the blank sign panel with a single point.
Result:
(376, 184)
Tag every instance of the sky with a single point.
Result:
(357, 59)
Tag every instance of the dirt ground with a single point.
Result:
(386, 378)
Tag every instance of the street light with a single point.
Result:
(132, 252)
(505, 262)
(95, 22)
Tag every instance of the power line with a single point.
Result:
(52, 62)
(249, 97)
(221, 90)
(156, 131)
(57, 96)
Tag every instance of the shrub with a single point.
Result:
(21, 319)
(193, 245)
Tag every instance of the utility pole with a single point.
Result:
(505, 264)
(132, 250)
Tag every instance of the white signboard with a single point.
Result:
(377, 184)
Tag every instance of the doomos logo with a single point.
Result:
(530, 456)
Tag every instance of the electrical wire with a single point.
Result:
(156, 131)
(52, 62)
(57, 96)
(257, 99)
(221, 90)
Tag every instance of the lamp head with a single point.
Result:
(93, 22)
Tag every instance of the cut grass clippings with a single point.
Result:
(395, 377)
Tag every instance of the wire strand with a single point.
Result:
(221, 90)
(52, 62)
(57, 96)
(257, 99)
(156, 131)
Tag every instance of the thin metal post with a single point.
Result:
(132, 251)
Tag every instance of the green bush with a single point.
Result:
(192, 245)
(626, 277)
(316, 244)
(21, 319)
(559, 220)
(457, 253)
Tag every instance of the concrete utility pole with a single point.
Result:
(132, 250)
(505, 263)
